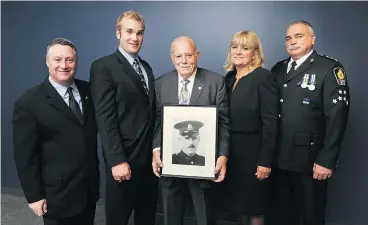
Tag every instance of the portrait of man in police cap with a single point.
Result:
(188, 137)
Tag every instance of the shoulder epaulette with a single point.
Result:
(328, 57)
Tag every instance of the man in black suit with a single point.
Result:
(314, 105)
(189, 138)
(122, 88)
(190, 85)
(55, 142)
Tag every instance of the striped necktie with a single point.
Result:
(138, 69)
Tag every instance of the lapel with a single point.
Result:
(281, 73)
(83, 92)
(303, 67)
(130, 72)
(56, 101)
(151, 87)
(197, 86)
(174, 88)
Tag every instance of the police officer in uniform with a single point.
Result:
(314, 105)
(189, 139)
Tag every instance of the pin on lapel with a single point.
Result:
(199, 88)
(86, 98)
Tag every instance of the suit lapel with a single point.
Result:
(56, 101)
(303, 67)
(174, 88)
(130, 72)
(197, 86)
(151, 87)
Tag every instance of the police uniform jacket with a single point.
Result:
(314, 105)
(184, 159)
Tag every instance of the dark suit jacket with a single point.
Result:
(254, 109)
(55, 155)
(312, 124)
(212, 92)
(124, 112)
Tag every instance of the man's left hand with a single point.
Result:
(220, 169)
(320, 172)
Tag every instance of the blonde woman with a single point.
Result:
(254, 118)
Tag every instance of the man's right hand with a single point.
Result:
(121, 172)
(156, 163)
(39, 208)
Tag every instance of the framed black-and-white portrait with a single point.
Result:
(189, 141)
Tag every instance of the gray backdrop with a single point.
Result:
(341, 30)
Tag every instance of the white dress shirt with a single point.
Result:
(299, 61)
(63, 92)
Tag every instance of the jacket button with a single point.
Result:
(279, 115)
(281, 100)
(285, 85)
(312, 143)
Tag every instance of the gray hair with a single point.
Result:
(306, 23)
(61, 41)
(187, 38)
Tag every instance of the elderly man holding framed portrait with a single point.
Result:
(185, 98)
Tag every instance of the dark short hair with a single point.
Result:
(61, 41)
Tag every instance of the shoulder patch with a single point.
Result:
(328, 57)
(339, 75)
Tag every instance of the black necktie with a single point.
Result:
(138, 69)
(74, 106)
(292, 69)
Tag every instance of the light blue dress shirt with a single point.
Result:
(130, 59)
(63, 92)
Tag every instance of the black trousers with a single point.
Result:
(138, 194)
(87, 217)
(296, 199)
(174, 202)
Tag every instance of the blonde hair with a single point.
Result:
(131, 14)
(251, 40)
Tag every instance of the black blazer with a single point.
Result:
(254, 108)
(212, 91)
(124, 112)
(55, 155)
